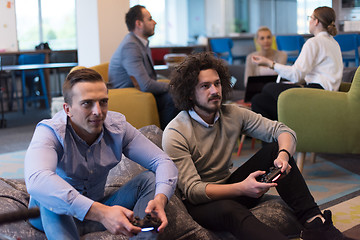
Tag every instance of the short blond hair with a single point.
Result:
(262, 29)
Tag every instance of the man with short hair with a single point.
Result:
(201, 139)
(69, 159)
(132, 66)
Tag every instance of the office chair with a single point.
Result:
(222, 48)
(29, 78)
(292, 45)
(349, 44)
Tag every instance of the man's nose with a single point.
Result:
(214, 89)
(96, 108)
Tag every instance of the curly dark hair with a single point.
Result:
(184, 78)
(132, 15)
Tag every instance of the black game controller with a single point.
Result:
(270, 177)
(148, 223)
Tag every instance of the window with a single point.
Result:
(171, 27)
(305, 8)
(46, 21)
(214, 18)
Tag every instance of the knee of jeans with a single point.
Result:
(148, 178)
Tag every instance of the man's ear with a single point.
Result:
(138, 24)
(66, 108)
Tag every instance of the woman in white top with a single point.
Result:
(319, 64)
(264, 39)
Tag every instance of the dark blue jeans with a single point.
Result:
(233, 215)
(134, 195)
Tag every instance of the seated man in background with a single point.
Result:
(69, 159)
(131, 65)
(200, 140)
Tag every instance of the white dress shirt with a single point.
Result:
(320, 61)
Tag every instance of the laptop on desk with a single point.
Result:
(255, 84)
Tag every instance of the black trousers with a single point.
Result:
(265, 102)
(166, 108)
(233, 215)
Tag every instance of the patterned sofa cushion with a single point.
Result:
(13, 198)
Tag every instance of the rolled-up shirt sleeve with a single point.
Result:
(42, 182)
(255, 125)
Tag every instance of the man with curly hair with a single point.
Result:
(201, 139)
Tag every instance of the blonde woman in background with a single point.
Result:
(264, 39)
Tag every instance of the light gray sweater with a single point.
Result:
(203, 154)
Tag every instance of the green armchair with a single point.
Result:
(324, 121)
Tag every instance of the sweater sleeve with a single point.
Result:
(259, 127)
(189, 181)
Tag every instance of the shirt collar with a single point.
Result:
(82, 141)
(323, 33)
(197, 118)
(142, 40)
